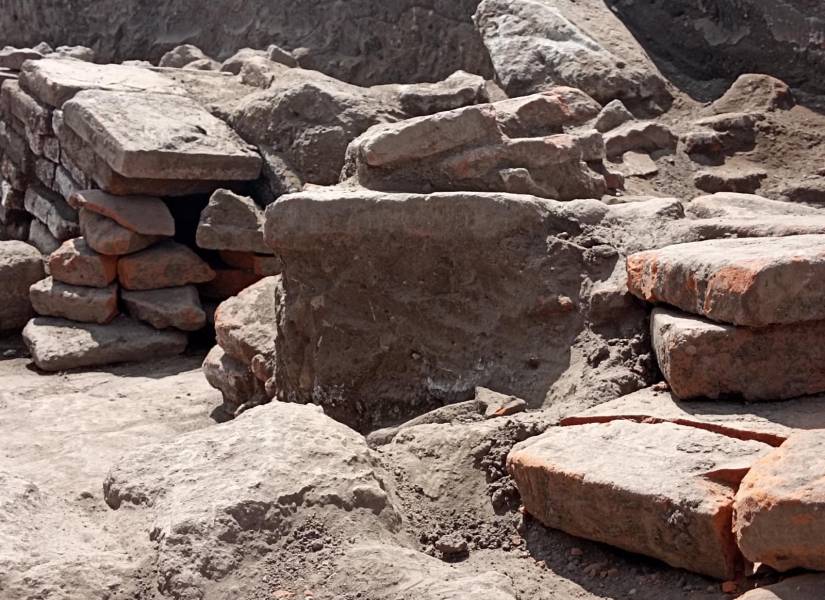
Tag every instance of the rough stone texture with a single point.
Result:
(751, 282)
(264, 473)
(755, 92)
(54, 80)
(141, 214)
(53, 211)
(613, 114)
(76, 263)
(107, 237)
(13, 58)
(235, 380)
(52, 298)
(739, 178)
(180, 56)
(744, 206)
(459, 89)
(263, 265)
(231, 222)
(167, 264)
(642, 136)
(58, 345)
(802, 587)
(21, 265)
(533, 46)
(768, 422)
(593, 481)
(178, 307)
(41, 238)
(245, 325)
(177, 138)
(780, 506)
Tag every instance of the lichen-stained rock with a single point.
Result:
(744, 206)
(105, 236)
(52, 298)
(245, 326)
(642, 136)
(167, 264)
(178, 307)
(533, 46)
(231, 222)
(21, 265)
(780, 506)
(58, 344)
(177, 138)
(218, 491)
(142, 214)
(53, 211)
(55, 80)
(703, 359)
(76, 263)
(235, 380)
(753, 282)
(800, 587)
(594, 481)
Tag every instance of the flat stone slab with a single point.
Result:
(752, 282)
(166, 264)
(780, 506)
(13, 58)
(76, 263)
(232, 222)
(107, 237)
(41, 238)
(803, 587)
(142, 214)
(703, 359)
(58, 344)
(159, 136)
(178, 307)
(52, 298)
(233, 378)
(21, 265)
(54, 80)
(662, 490)
(744, 206)
(768, 422)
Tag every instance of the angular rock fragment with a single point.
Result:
(21, 265)
(180, 56)
(178, 307)
(780, 506)
(76, 263)
(58, 344)
(33, 115)
(545, 113)
(745, 206)
(234, 379)
(495, 404)
(231, 222)
(641, 136)
(613, 114)
(593, 481)
(107, 237)
(52, 298)
(245, 325)
(752, 282)
(167, 264)
(53, 211)
(142, 214)
(41, 238)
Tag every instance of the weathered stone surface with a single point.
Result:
(76, 263)
(41, 238)
(755, 92)
(498, 405)
(744, 206)
(743, 179)
(259, 264)
(52, 298)
(180, 56)
(231, 222)
(33, 115)
(58, 344)
(21, 265)
(54, 80)
(166, 264)
(83, 53)
(459, 89)
(178, 307)
(53, 211)
(703, 359)
(142, 214)
(107, 237)
(245, 325)
(768, 422)
(801, 587)
(228, 282)
(593, 481)
(780, 506)
(533, 46)
(234, 379)
(637, 164)
(751, 282)
(177, 138)
(13, 58)
(214, 489)
(613, 114)
(642, 136)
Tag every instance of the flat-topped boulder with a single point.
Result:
(166, 264)
(703, 359)
(52, 298)
(58, 344)
(76, 263)
(55, 80)
(105, 236)
(142, 214)
(21, 265)
(232, 222)
(780, 506)
(744, 206)
(160, 136)
(595, 481)
(752, 282)
(178, 307)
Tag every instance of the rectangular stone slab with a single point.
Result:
(54, 81)
(75, 302)
(768, 422)
(662, 490)
(751, 282)
(160, 136)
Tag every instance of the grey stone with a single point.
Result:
(142, 214)
(13, 58)
(53, 211)
(279, 55)
(745, 206)
(180, 56)
(178, 307)
(41, 238)
(21, 265)
(76, 263)
(744, 179)
(107, 237)
(612, 115)
(231, 222)
(235, 380)
(642, 136)
(52, 298)
(244, 325)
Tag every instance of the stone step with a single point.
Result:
(753, 281)
(74, 302)
(59, 344)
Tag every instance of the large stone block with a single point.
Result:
(76, 263)
(753, 282)
(21, 265)
(780, 506)
(52, 298)
(164, 265)
(597, 482)
(58, 344)
(178, 307)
